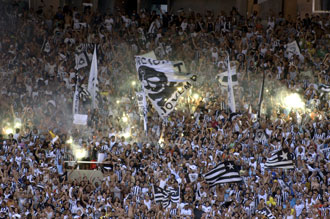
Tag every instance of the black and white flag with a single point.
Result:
(83, 47)
(266, 212)
(324, 88)
(163, 82)
(224, 172)
(223, 78)
(83, 93)
(81, 61)
(46, 47)
(280, 159)
(93, 81)
(166, 196)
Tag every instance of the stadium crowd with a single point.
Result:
(38, 74)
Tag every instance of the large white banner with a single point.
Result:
(164, 82)
(93, 81)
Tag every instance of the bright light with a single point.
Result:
(293, 101)
(17, 125)
(79, 153)
(133, 83)
(179, 88)
(8, 131)
(126, 135)
(125, 119)
(161, 142)
(117, 101)
(195, 96)
(69, 141)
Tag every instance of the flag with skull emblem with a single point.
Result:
(163, 82)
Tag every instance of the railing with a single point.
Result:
(86, 165)
(79, 161)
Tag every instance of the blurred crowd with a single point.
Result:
(38, 77)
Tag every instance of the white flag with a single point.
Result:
(292, 49)
(80, 119)
(81, 61)
(93, 81)
(231, 97)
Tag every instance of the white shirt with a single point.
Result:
(147, 203)
(186, 212)
(162, 183)
(298, 209)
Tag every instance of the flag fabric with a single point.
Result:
(231, 97)
(223, 78)
(166, 196)
(163, 82)
(261, 94)
(233, 116)
(93, 81)
(174, 194)
(266, 212)
(81, 61)
(80, 119)
(280, 159)
(75, 107)
(292, 49)
(46, 46)
(54, 137)
(324, 88)
(83, 93)
(224, 172)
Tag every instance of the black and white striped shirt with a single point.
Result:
(136, 190)
(173, 211)
(319, 136)
(119, 174)
(285, 195)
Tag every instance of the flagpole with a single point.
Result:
(231, 98)
(153, 191)
(145, 112)
(261, 95)
(75, 108)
